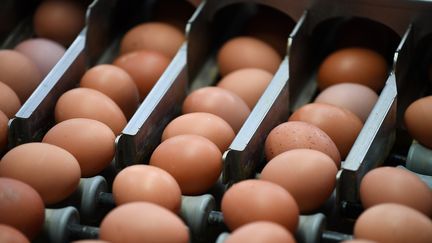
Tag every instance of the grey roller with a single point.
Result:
(222, 237)
(310, 228)
(195, 212)
(425, 178)
(57, 221)
(89, 189)
(419, 159)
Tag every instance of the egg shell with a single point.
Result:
(220, 102)
(147, 183)
(395, 185)
(194, 161)
(308, 175)
(9, 101)
(91, 104)
(258, 200)
(261, 231)
(395, 223)
(353, 65)
(418, 120)
(9, 234)
(139, 222)
(248, 83)
(340, 124)
(3, 130)
(116, 83)
(145, 67)
(51, 170)
(247, 52)
(297, 134)
(21, 207)
(205, 124)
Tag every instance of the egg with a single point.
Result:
(395, 223)
(357, 98)
(248, 83)
(418, 118)
(147, 183)
(9, 101)
(308, 175)
(220, 102)
(395, 185)
(59, 20)
(21, 207)
(260, 231)
(116, 83)
(194, 161)
(153, 36)
(353, 65)
(145, 67)
(91, 142)
(297, 134)
(139, 222)
(19, 73)
(3, 130)
(340, 124)
(9, 234)
(49, 169)
(205, 124)
(247, 52)
(91, 104)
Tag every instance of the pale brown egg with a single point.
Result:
(353, 65)
(149, 184)
(9, 101)
(91, 104)
(145, 67)
(395, 185)
(91, 142)
(220, 102)
(248, 83)
(247, 52)
(308, 175)
(19, 73)
(418, 120)
(205, 124)
(297, 134)
(340, 124)
(9, 234)
(139, 222)
(394, 223)
(116, 83)
(51, 170)
(153, 36)
(21, 207)
(194, 161)
(257, 200)
(3, 130)
(260, 231)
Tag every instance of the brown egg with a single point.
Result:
(9, 234)
(205, 124)
(220, 102)
(59, 20)
(395, 185)
(139, 222)
(145, 67)
(295, 135)
(357, 98)
(247, 52)
(91, 142)
(256, 200)
(153, 36)
(261, 231)
(49, 169)
(19, 73)
(116, 83)
(394, 223)
(308, 175)
(3, 130)
(340, 124)
(149, 184)
(194, 161)
(353, 65)
(92, 104)
(21, 207)
(418, 120)
(248, 83)
(9, 101)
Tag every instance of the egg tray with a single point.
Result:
(382, 138)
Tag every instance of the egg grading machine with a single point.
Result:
(292, 85)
